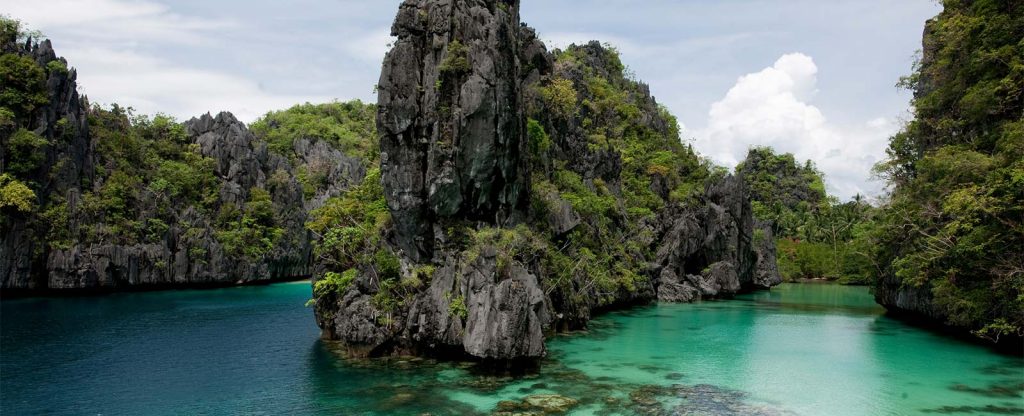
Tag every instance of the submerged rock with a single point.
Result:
(550, 403)
(537, 404)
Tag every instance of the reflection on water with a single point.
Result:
(797, 350)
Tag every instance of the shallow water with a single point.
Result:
(800, 349)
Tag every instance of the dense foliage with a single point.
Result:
(955, 221)
(817, 236)
(783, 192)
(597, 141)
(24, 89)
(349, 228)
(599, 113)
(143, 181)
(348, 126)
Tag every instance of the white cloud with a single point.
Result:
(125, 21)
(152, 85)
(371, 47)
(119, 46)
(772, 108)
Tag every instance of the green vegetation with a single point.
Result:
(456, 60)
(540, 142)
(817, 237)
(333, 282)
(15, 195)
(57, 67)
(955, 220)
(560, 96)
(783, 192)
(147, 172)
(14, 31)
(457, 305)
(255, 233)
(348, 126)
(24, 84)
(350, 227)
(144, 162)
(591, 95)
(25, 152)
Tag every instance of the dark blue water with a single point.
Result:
(800, 349)
(247, 349)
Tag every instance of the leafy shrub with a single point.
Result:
(254, 234)
(560, 97)
(456, 60)
(953, 221)
(349, 226)
(16, 195)
(57, 67)
(26, 152)
(333, 282)
(347, 126)
(24, 84)
(456, 305)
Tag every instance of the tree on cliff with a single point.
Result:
(954, 227)
(818, 237)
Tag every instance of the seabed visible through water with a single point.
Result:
(801, 349)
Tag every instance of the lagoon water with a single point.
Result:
(797, 350)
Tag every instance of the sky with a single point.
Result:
(815, 78)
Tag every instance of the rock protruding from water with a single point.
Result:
(65, 164)
(190, 253)
(715, 250)
(450, 118)
(456, 93)
(183, 248)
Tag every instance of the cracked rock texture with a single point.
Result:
(451, 122)
(187, 254)
(454, 98)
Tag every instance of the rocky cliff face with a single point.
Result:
(715, 250)
(535, 189)
(189, 253)
(452, 131)
(72, 240)
(64, 163)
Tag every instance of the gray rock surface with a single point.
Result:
(506, 315)
(711, 251)
(766, 274)
(452, 149)
(470, 307)
(188, 253)
(65, 165)
(907, 300)
(450, 118)
(242, 162)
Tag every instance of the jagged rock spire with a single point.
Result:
(450, 118)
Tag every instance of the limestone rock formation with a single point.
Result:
(450, 118)
(65, 164)
(188, 251)
(243, 163)
(491, 181)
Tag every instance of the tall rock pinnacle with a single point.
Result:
(450, 118)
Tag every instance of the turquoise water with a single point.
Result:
(798, 350)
